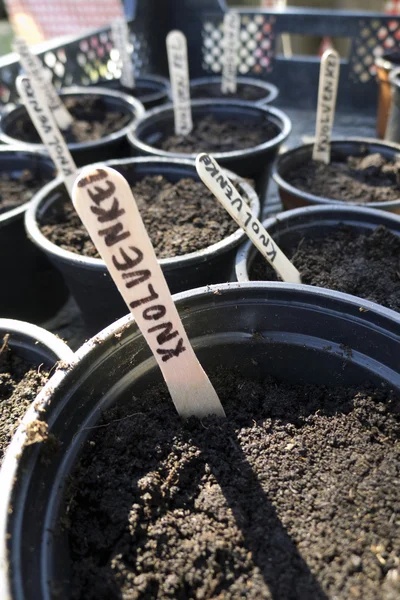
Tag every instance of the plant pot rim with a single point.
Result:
(38, 334)
(155, 96)
(134, 104)
(34, 233)
(242, 256)
(143, 147)
(269, 88)
(312, 198)
(89, 356)
(11, 215)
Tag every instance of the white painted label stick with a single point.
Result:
(46, 127)
(179, 75)
(105, 203)
(120, 34)
(222, 188)
(230, 55)
(327, 92)
(33, 67)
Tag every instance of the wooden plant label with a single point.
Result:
(179, 75)
(222, 188)
(120, 34)
(230, 55)
(46, 126)
(327, 92)
(33, 67)
(104, 202)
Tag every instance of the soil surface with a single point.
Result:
(371, 178)
(16, 191)
(212, 135)
(93, 120)
(293, 496)
(363, 264)
(179, 217)
(248, 92)
(20, 383)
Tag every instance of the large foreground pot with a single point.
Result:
(293, 197)
(254, 162)
(113, 145)
(295, 333)
(88, 278)
(31, 288)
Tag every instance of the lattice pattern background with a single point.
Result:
(257, 44)
(375, 37)
(93, 58)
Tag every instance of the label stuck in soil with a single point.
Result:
(327, 92)
(47, 128)
(120, 35)
(179, 75)
(220, 185)
(105, 203)
(230, 57)
(40, 79)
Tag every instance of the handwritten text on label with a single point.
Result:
(327, 92)
(220, 185)
(104, 202)
(179, 75)
(33, 67)
(47, 128)
(230, 45)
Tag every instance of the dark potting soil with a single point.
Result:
(212, 135)
(293, 496)
(363, 264)
(371, 178)
(244, 91)
(20, 383)
(15, 191)
(179, 217)
(93, 120)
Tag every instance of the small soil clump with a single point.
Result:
(93, 120)
(292, 496)
(180, 218)
(212, 135)
(363, 264)
(20, 383)
(365, 179)
(244, 91)
(15, 191)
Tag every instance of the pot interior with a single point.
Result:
(340, 151)
(159, 125)
(18, 118)
(294, 334)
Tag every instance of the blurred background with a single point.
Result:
(40, 20)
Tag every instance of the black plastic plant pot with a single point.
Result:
(34, 344)
(249, 89)
(315, 222)
(255, 162)
(88, 278)
(293, 197)
(31, 288)
(150, 90)
(303, 335)
(113, 145)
